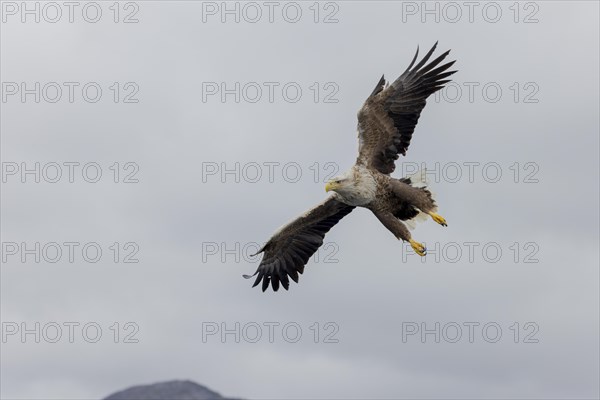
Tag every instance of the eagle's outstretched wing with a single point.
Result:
(290, 248)
(388, 118)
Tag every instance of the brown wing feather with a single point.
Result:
(288, 251)
(387, 120)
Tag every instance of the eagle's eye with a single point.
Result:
(338, 181)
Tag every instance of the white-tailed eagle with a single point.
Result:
(386, 123)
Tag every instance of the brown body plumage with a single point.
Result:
(386, 123)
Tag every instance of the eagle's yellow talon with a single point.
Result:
(418, 247)
(438, 218)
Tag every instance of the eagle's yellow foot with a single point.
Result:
(438, 218)
(418, 247)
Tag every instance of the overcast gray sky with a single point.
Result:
(209, 133)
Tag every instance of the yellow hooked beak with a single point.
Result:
(331, 185)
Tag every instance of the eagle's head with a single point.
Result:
(355, 187)
(341, 184)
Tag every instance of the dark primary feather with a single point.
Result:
(387, 120)
(288, 251)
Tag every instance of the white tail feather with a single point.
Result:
(419, 180)
(412, 223)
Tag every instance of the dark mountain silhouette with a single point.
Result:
(171, 390)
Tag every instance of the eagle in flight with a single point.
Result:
(386, 123)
